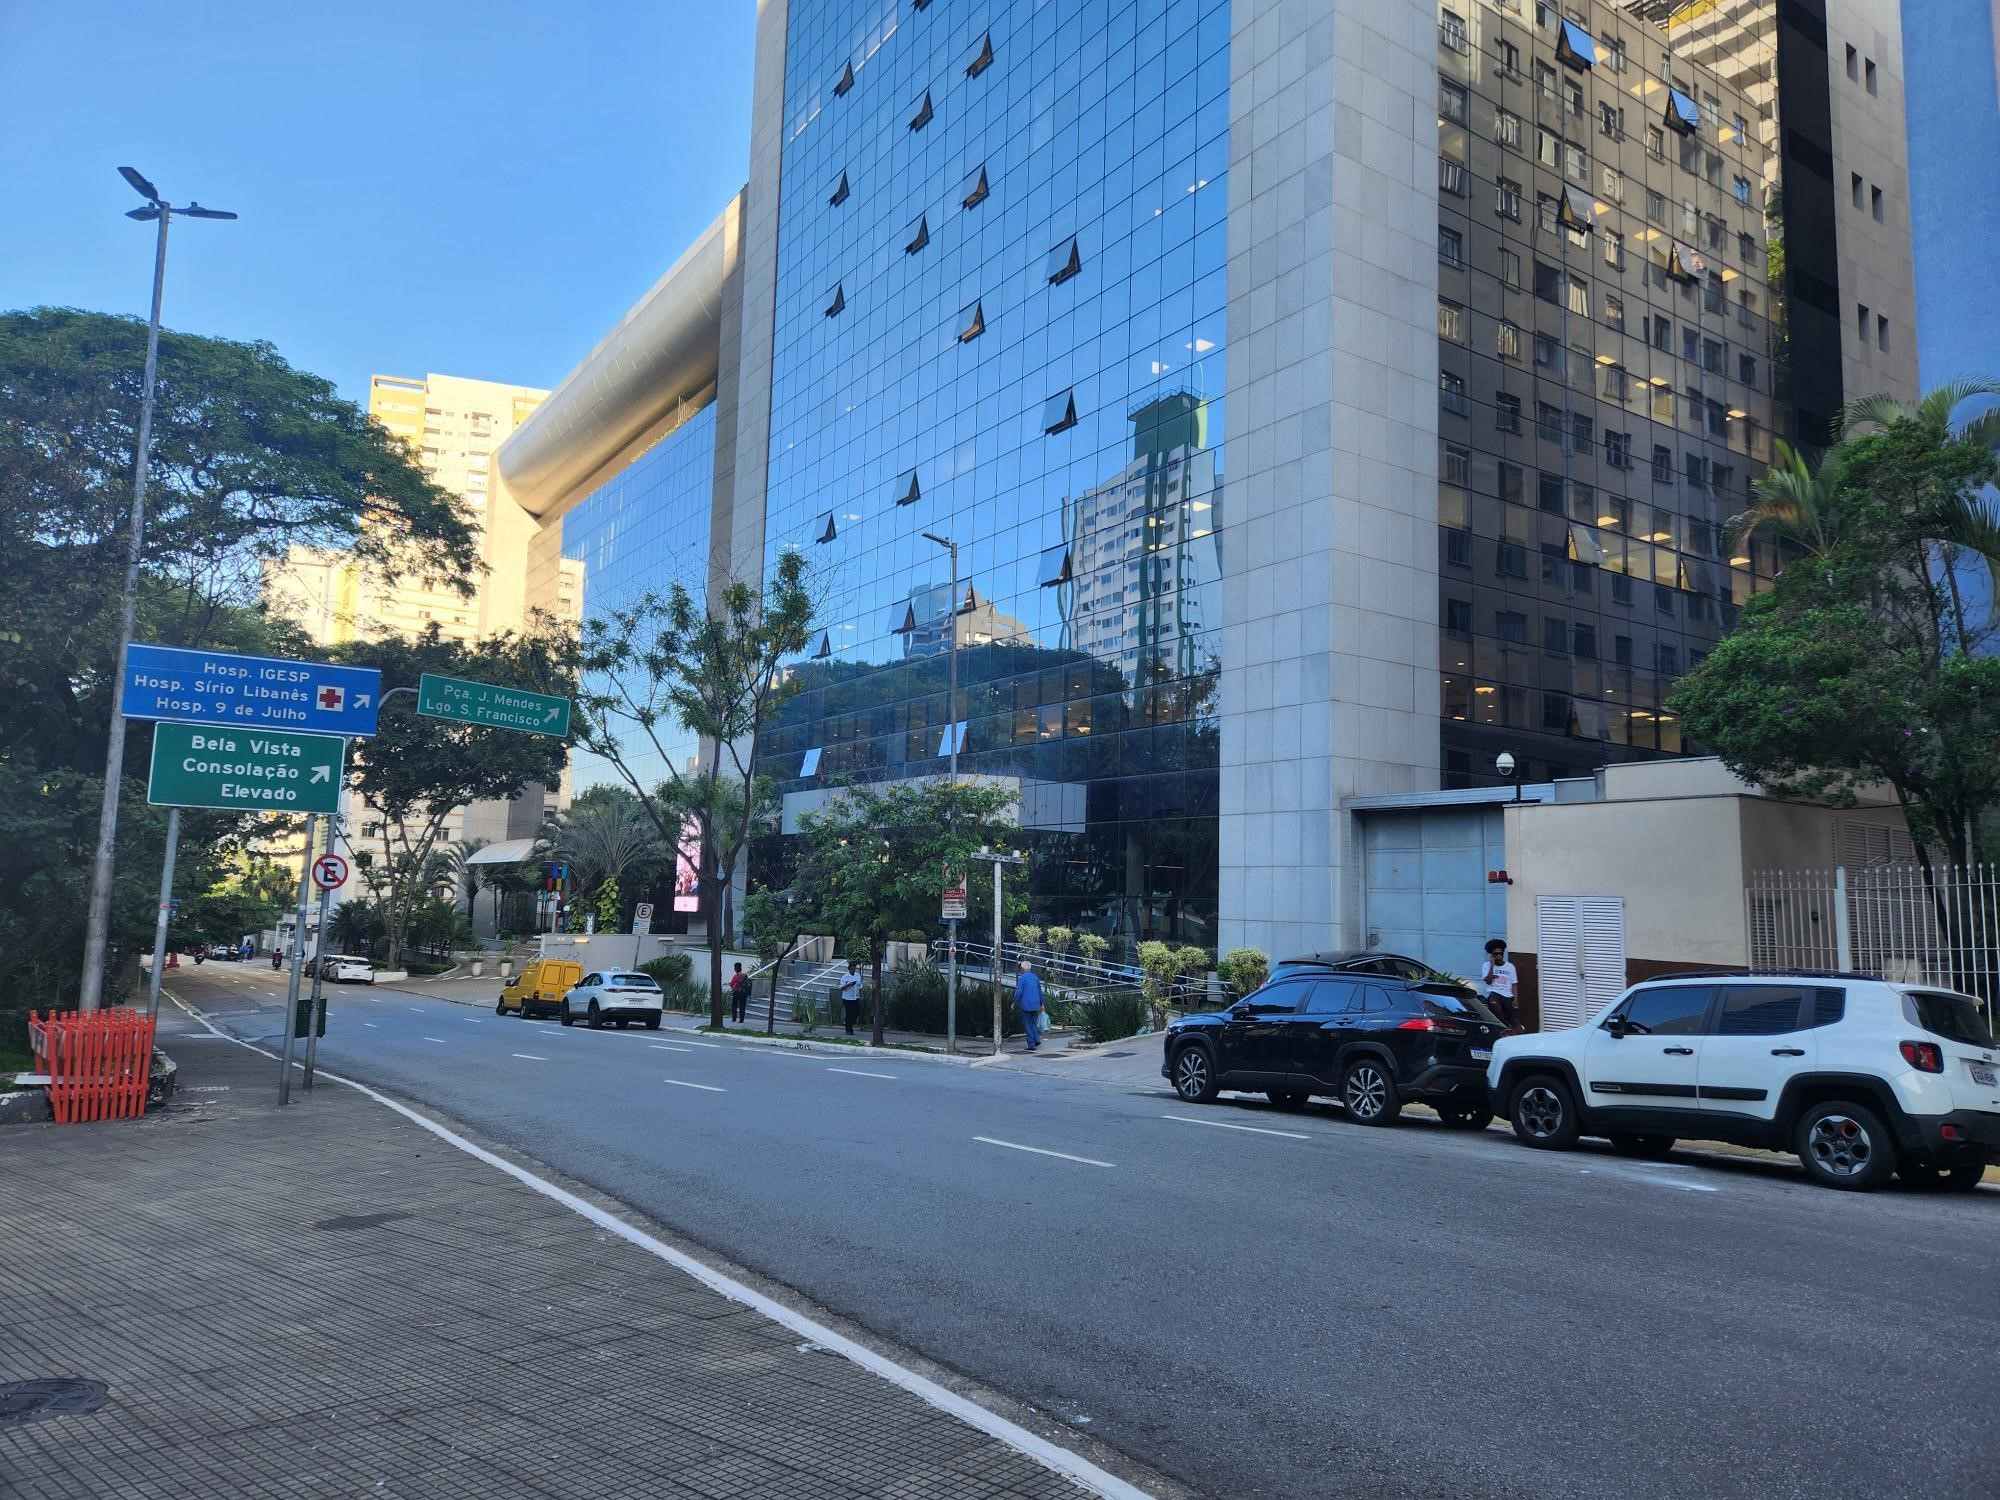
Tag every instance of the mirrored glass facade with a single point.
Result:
(1000, 291)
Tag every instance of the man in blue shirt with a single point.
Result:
(1028, 995)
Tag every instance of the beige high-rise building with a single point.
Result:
(453, 424)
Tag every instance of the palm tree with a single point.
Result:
(1796, 501)
(455, 860)
(604, 834)
(1969, 520)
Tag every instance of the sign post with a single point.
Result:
(491, 706)
(245, 770)
(166, 910)
(954, 913)
(298, 954)
(329, 871)
(642, 918)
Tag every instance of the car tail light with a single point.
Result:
(1925, 1057)
(1427, 1023)
(1949, 1132)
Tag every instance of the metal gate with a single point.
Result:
(1579, 956)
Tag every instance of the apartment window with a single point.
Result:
(1451, 176)
(1509, 55)
(1612, 183)
(1451, 101)
(1611, 120)
(1576, 165)
(1510, 269)
(1746, 247)
(1451, 394)
(1663, 406)
(1507, 129)
(1064, 262)
(1614, 54)
(1614, 249)
(1583, 642)
(1875, 203)
(1666, 659)
(1548, 282)
(1059, 412)
(1451, 32)
(1579, 296)
(1548, 353)
(1506, 412)
(1510, 483)
(1575, 47)
(1555, 636)
(1663, 464)
(1739, 188)
(1457, 465)
(1510, 625)
(1711, 164)
(1582, 431)
(1616, 388)
(1614, 312)
(1451, 246)
(1545, 79)
(1868, 71)
(1656, 143)
(1451, 321)
(1861, 322)
(1458, 547)
(1548, 148)
(1618, 449)
(1621, 591)
(1507, 199)
(1717, 230)
(1656, 206)
(1507, 341)
(1458, 616)
(1853, 65)
(1683, 117)
(1573, 91)
(1663, 604)
(1712, 352)
(1549, 494)
(1854, 187)
(1882, 333)
(1696, 471)
(1550, 419)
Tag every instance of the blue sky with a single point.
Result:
(476, 189)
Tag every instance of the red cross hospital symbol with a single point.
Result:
(330, 698)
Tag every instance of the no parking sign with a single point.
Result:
(329, 872)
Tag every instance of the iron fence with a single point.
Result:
(1892, 920)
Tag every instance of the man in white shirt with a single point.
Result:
(850, 996)
(1500, 979)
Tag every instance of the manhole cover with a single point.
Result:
(1121, 1054)
(35, 1400)
(358, 1221)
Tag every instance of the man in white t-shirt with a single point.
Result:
(850, 996)
(1500, 979)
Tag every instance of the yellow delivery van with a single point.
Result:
(539, 987)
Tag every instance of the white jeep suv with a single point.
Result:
(1860, 1077)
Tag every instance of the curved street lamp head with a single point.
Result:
(196, 211)
(142, 213)
(140, 185)
(932, 536)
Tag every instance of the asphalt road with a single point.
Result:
(1265, 1303)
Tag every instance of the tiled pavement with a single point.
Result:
(328, 1300)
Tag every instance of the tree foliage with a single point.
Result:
(876, 858)
(673, 668)
(1862, 664)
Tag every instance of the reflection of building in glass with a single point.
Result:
(1034, 278)
(1143, 558)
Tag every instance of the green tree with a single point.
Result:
(673, 667)
(417, 771)
(771, 924)
(605, 834)
(875, 858)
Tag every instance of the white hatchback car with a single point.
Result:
(343, 968)
(614, 995)
(1860, 1077)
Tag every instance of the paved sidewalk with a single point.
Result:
(330, 1300)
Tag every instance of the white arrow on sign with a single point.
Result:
(552, 715)
(361, 700)
(320, 773)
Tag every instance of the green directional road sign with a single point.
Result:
(493, 707)
(245, 770)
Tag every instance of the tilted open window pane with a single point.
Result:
(972, 192)
(1059, 412)
(845, 81)
(1575, 47)
(825, 531)
(1054, 568)
(836, 301)
(1683, 114)
(1684, 264)
(809, 767)
(979, 57)
(971, 322)
(1064, 261)
(907, 490)
(918, 235)
(920, 112)
(1585, 545)
(1575, 210)
(839, 193)
(825, 647)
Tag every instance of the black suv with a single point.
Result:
(1373, 1042)
(1372, 962)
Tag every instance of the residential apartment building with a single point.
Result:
(1327, 398)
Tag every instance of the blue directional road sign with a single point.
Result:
(249, 692)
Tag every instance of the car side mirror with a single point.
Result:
(1616, 1026)
(1241, 1009)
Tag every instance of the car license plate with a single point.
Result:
(1482, 1054)
(1985, 1076)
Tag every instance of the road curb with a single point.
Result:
(834, 1049)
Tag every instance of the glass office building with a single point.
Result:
(1323, 399)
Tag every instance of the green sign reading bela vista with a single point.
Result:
(245, 770)
(492, 707)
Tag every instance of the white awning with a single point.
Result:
(506, 852)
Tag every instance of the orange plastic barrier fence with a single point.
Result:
(97, 1061)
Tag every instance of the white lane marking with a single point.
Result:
(371, 1025)
(857, 1073)
(1290, 1135)
(475, 1020)
(663, 1047)
(1100, 1482)
(1088, 1161)
(372, 999)
(438, 1039)
(713, 1046)
(1650, 1178)
(418, 1009)
(531, 1057)
(706, 1088)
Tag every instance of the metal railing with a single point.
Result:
(1889, 919)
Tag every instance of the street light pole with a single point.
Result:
(90, 992)
(951, 744)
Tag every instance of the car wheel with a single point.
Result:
(1368, 1089)
(500, 1006)
(1651, 1147)
(596, 1017)
(652, 1023)
(1466, 1119)
(567, 1018)
(1543, 1114)
(1288, 1098)
(1844, 1145)
(1194, 1074)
